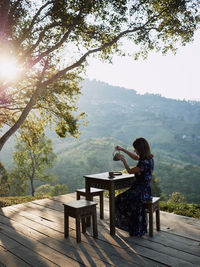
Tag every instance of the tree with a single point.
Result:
(155, 186)
(43, 190)
(34, 155)
(51, 190)
(50, 42)
(18, 183)
(176, 197)
(58, 189)
(4, 185)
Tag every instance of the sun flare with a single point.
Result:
(8, 68)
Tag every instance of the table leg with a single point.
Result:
(112, 208)
(88, 197)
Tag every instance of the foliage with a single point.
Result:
(8, 201)
(118, 116)
(185, 209)
(43, 190)
(176, 197)
(52, 40)
(182, 178)
(34, 155)
(51, 190)
(4, 185)
(155, 186)
(18, 183)
(58, 189)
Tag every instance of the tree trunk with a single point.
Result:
(4, 27)
(22, 117)
(32, 188)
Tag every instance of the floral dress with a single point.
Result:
(130, 207)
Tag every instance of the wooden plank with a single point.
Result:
(8, 259)
(180, 225)
(42, 212)
(165, 249)
(194, 260)
(34, 225)
(134, 258)
(33, 252)
(177, 242)
(7, 243)
(67, 250)
(23, 238)
(117, 254)
(153, 251)
(120, 247)
(45, 256)
(33, 258)
(42, 220)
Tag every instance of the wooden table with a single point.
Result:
(102, 180)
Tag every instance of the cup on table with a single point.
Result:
(111, 175)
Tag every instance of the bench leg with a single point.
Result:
(158, 219)
(66, 225)
(78, 230)
(94, 221)
(101, 206)
(78, 196)
(150, 221)
(83, 225)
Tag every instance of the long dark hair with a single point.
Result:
(143, 148)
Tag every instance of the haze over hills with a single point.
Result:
(124, 114)
(117, 116)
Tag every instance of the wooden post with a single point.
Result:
(151, 220)
(112, 208)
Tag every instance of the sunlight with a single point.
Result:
(8, 68)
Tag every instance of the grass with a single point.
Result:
(8, 201)
(185, 209)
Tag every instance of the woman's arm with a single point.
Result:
(129, 170)
(130, 154)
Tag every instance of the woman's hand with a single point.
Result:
(118, 148)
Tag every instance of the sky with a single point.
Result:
(172, 76)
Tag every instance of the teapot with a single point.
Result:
(115, 155)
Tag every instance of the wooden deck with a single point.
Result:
(31, 234)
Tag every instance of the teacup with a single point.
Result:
(111, 175)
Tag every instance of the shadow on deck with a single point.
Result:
(32, 234)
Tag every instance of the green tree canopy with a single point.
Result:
(59, 189)
(51, 190)
(50, 42)
(34, 155)
(176, 197)
(4, 185)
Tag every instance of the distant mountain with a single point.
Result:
(172, 126)
(117, 116)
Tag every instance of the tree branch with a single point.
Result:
(63, 39)
(28, 31)
(40, 38)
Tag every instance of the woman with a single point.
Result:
(130, 205)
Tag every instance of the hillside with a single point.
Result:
(171, 126)
(117, 116)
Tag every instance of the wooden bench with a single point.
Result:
(80, 209)
(93, 192)
(151, 207)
